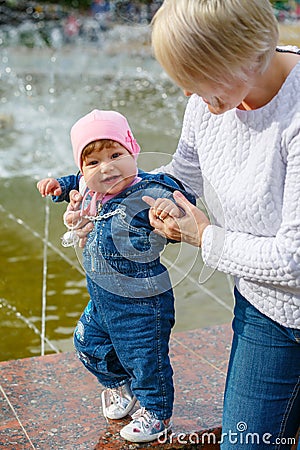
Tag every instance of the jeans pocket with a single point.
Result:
(296, 334)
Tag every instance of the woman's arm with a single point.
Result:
(270, 260)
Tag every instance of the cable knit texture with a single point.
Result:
(246, 165)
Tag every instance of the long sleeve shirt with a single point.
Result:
(246, 167)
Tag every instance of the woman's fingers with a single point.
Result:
(149, 200)
(75, 199)
(188, 226)
(83, 231)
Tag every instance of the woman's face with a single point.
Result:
(220, 97)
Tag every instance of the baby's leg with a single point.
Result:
(96, 351)
(140, 331)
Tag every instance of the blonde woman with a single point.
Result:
(240, 145)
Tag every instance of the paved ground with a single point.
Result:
(52, 402)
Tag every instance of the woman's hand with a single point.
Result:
(75, 200)
(181, 221)
(72, 218)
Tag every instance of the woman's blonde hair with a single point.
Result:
(219, 40)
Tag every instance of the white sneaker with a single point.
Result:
(145, 427)
(117, 402)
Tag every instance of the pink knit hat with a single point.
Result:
(102, 125)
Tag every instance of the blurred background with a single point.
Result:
(58, 61)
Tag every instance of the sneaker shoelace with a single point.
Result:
(143, 416)
(114, 396)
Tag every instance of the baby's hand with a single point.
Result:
(164, 207)
(49, 186)
(80, 226)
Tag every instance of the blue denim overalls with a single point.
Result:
(123, 334)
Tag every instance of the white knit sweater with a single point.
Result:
(246, 166)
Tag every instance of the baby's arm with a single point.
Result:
(49, 186)
(59, 188)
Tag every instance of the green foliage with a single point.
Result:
(77, 4)
(280, 4)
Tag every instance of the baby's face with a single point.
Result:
(110, 170)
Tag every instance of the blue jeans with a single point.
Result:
(120, 339)
(262, 395)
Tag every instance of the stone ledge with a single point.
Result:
(52, 402)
